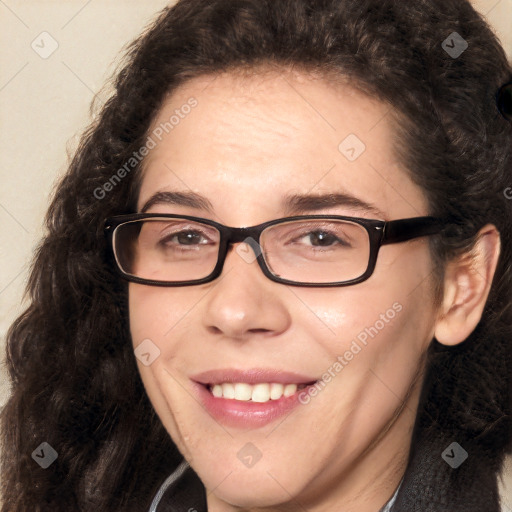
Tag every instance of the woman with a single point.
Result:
(277, 273)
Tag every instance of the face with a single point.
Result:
(247, 142)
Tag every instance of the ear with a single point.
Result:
(467, 282)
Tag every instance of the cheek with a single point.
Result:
(155, 315)
(155, 312)
(371, 359)
(349, 315)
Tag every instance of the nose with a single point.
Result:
(242, 301)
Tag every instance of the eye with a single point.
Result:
(190, 237)
(176, 235)
(186, 240)
(319, 236)
(325, 239)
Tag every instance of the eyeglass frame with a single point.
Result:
(380, 233)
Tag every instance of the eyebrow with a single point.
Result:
(294, 204)
(184, 198)
(298, 203)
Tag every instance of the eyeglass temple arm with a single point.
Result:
(406, 229)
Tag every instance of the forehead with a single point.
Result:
(249, 139)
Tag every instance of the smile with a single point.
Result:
(260, 393)
(249, 398)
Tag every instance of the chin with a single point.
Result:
(249, 487)
(252, 495)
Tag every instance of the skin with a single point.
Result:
(250, 141)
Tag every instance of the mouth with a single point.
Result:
(250, 398)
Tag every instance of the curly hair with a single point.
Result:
(75, 383)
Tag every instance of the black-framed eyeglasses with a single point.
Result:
(307, 250)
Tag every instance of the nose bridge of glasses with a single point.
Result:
(248, 235)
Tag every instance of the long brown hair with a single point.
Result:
(75, 384)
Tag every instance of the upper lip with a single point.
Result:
(251, 376)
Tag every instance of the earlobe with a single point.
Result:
(467, 283)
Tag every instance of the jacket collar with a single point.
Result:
(182, 491)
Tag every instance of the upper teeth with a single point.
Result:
(257, 392)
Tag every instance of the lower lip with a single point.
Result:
(246, 414)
